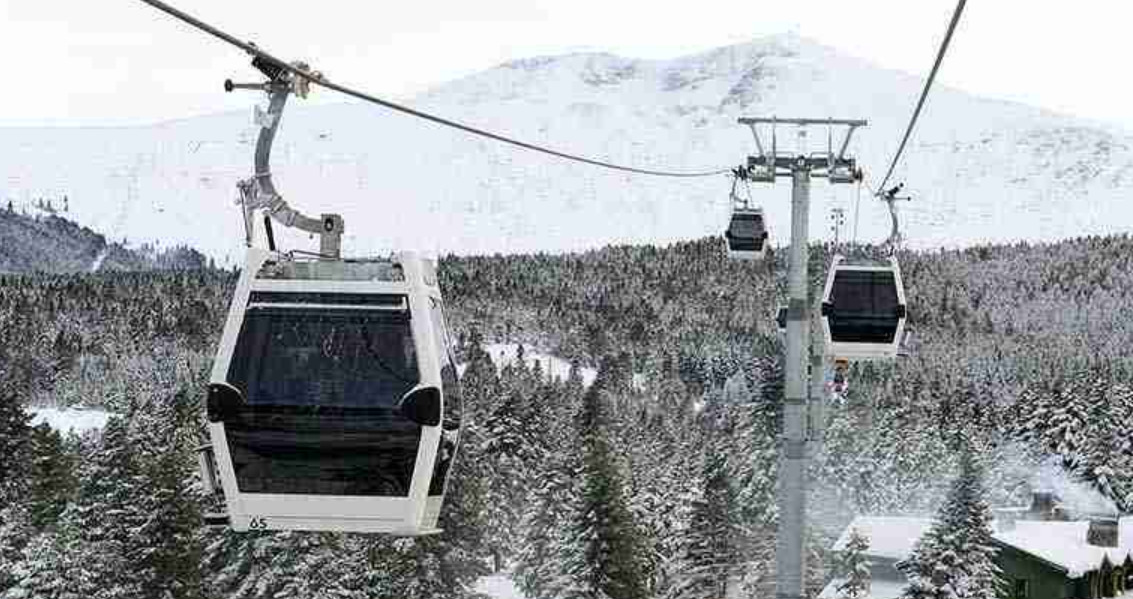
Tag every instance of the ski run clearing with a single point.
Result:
(64, 420)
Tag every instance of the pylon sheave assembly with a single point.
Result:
(863, 310)
(746, 235)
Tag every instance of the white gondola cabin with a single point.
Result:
(863, 310)
(746, 236)
(334, 403)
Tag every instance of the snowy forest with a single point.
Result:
(656, 480)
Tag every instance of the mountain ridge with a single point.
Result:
(982, 170)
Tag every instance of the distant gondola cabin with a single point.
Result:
(746, 235)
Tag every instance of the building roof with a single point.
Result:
(1064, 545)
(891, 537)
(878, 589)
(1061, 544)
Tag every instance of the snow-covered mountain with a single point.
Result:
(980, 169)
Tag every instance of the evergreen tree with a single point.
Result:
(604, 550)
(14, 436)
(707, 554)
(15, 533)
(98, 530)
(168, 546)
(506, 444)
(855, 567)
(51, 567)
(955, 558)
(285, 564)
(51, 479)
(544, 521)
(547, 512)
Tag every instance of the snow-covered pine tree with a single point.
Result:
(707, 553)
(855, 567)
(91, 552)
(505, 445)
(604, 548)
(16, 532)
(549, 507)
(105, 516)
(284, 565)
(1080, 416)
(955, 558)
(50, 568)
(168, 543)
(545, 520)
(51, 479)
(14, 435)
(754, 464)
(1105, 459)
(1055, 414)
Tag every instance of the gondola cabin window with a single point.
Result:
(321, 382)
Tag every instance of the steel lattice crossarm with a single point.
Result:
(834, 166)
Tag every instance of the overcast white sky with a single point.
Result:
(120, 61)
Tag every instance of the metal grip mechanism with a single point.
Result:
(273, 71)
(258, 191)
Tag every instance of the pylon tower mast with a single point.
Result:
(802, 427)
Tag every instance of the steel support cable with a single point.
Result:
(252, 49)
(924, 92)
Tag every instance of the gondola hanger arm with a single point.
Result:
(258, 192)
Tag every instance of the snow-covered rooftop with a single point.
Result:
(890, 537)
(1064, 544)
(879, 588)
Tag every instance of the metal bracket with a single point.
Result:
(258, 192)
(837, 168)
(891, 198)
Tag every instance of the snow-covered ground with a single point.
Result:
(552, 366)
(77, 420)
(499, 586)
(980, 169)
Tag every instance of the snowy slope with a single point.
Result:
(982, 170)
(498, 586)
(552, 366)
(65, 420)
(503, 354)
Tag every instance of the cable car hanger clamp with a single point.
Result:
(317, 79)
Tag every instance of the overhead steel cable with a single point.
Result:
(924, 92)
(317, 79)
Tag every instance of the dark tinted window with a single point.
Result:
(453, 404)
(354, 299)
(865, 307)
(745, 232)
(865, 293)
(321, 387)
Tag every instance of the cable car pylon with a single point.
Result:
(800, 424)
